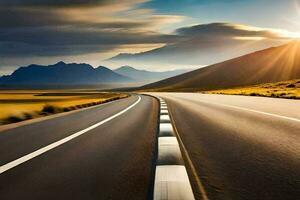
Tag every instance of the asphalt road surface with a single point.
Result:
(111, 161)
(241, 147)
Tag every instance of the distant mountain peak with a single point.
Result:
(60, 63)
(126, 67)
(101, 67)
(121, 55)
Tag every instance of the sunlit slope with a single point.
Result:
(270, 65)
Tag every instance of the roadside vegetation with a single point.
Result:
(20, 105)
(285, 89)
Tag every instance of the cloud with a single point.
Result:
(65, 27)
(45, 13)
(70, 41)
(63, 3)
(45, 29)
(205, 44)
(20, 17)
(228, 30)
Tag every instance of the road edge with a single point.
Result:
(52, 116)
(200, 185)
(40, 151)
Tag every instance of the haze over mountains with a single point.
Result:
(269, 65)
(81, 74)
(145, 76)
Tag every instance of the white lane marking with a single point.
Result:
(167, 141)
(255, 111)
(164, 119)
(168, 152)
(172, 182)
(165, 129)
(38, 152)
(164, 112)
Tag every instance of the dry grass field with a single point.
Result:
(285, 89)
(18, 105)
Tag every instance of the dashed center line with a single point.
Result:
(171, 178)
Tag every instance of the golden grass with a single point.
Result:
(285, 89)
(20, 103)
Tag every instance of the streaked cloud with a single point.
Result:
(42, 31)
(205, 44)
(59, 28)
(66, 3)
(231, 30)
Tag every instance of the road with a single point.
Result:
(111, 161)
(241, 147)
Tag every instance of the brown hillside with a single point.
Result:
(270, 65)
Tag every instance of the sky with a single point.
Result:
(92, 31)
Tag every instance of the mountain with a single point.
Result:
(62, 73)
(147, 76)
(270, 65)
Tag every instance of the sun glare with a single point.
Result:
(249, 38)
(292, 35)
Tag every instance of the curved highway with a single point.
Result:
(111, 161)
(235, 147)
(242, 148)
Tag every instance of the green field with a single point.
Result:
(18, 105)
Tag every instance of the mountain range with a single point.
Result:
(270, 65)
(62, 73)
(81, 74)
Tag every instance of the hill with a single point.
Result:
(62, 74)
(147, 76)
(270, 65)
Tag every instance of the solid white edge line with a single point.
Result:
(255, 111)
(38, 152)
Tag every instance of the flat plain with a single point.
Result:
(20, 104)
